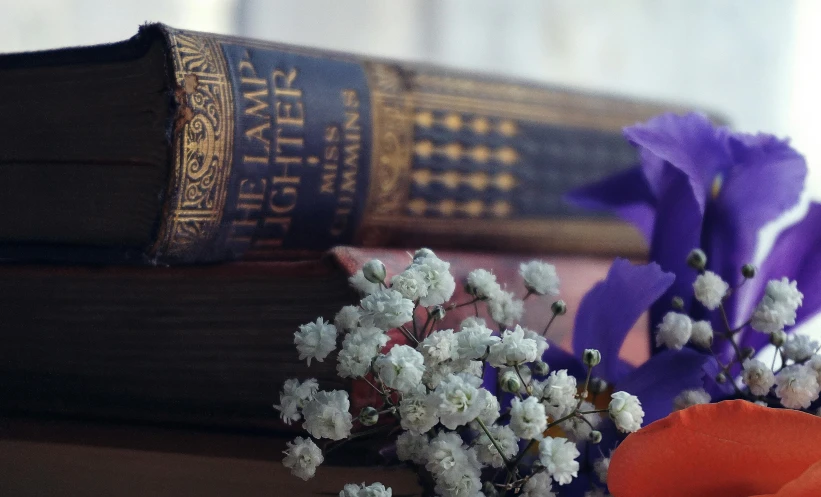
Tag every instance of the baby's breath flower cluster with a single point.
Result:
(523, 433)
(792, 379)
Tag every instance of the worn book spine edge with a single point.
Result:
(281, 151)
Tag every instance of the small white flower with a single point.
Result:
(487, 452)
(418, 412)
(558, 393)
(541, 342)
(514, 349)
(401, 368)
(490, 410)
(412, 447)
(447, 454)
(505, 308)
(626, 411)
(315, 340)
(757, 376)
(347, 318)
(459, 483)
(778, 306)
(539, 485)
(482, 284)
(373, 490)
(540, 277)
(689, 398)
(702, 334)
(327, 416)
(799, 348)
(459, 401)
(410, 284)
(769, 317)
(438, 347)
(558, 455)
(527, 418)
(361, 284)
(710, 289)
(601, 467)
(785, 291)
(302, 457)
(473, 339)
(385, 309)
(797, 386)
(436, 275)
(294, 396)
(359, 349)
(674, 330)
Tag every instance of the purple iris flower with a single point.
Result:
(704, 186)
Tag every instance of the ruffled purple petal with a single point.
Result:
(610, 309)
(766, 180)
(796, 254)
(690, 143)
(626, 194)
(677, 232)
(663, 377)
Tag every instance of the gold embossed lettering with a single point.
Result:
(290, 114)
(258, 133)
(283, 83)
(258, 103)
(248, 74)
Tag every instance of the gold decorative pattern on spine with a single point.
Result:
(393, 120)
(203, 136)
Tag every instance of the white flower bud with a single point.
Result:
(591, 357)
(558, 307)
(595, 437)
(778, 338)
(423, 253)
(438, 313)
(368, 416)
(374, 271)
(748, 271)
(510, 381)
(697, 259)
(540, 368)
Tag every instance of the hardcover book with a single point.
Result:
(183, 147)
(207, 345)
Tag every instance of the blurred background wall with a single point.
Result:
(749, 60)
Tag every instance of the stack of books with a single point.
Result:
(175, 205)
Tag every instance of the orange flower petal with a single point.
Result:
(806, 485)
(733, 448)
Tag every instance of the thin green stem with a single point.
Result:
(492, 440)
(549, 323)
